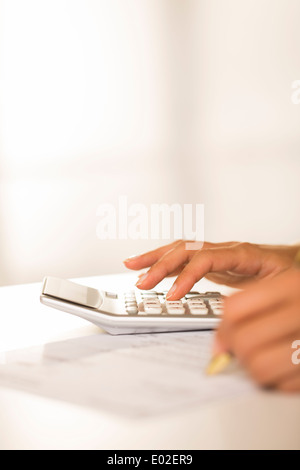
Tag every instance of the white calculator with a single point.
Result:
(134, 311)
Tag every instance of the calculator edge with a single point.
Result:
(116, 324)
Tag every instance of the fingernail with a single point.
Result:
(171, 291)
(217, 347)
(131, 258)
(142, 279)
(141, 275)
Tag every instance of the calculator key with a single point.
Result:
(132, 310)
(130, 304)
(218, 311)
(175, 303)
(198, 307)
(153, 310)
(129, 297)
(196, 304)
(176, 310)
(150, 299)
(216, 306)
(151, 302)
(198, 311)
(111, 295)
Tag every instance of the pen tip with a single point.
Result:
(218, 363)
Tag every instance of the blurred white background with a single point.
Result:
(159, 100)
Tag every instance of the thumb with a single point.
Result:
(220, 343)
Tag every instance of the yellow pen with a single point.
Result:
(219, 363)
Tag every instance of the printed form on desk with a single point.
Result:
(130, 375)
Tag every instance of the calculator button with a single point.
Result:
(151, 302)
(129, 298)
(192, 295)
(153, 309)
(195, 303)
(216, 304)
(111, 295)
(198, 310)
(132, 310)
(130, 304)
(175, 303)
(176, 310)
(175, 307)
(218, 311)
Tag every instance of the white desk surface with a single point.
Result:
(258, 421)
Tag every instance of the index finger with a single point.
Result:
(212, 260)
(147, 259)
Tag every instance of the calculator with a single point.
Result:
(134, 311)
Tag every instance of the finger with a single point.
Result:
(147, 259)
(221, 343)
(166, 265)
(177, 271)
(262, 296)
(290, 383)
(212, 260)
(259, 332)
(174, 273)
(270, 366)
(229, 279)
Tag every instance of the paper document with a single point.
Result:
(132, 375)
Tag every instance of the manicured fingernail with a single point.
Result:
(131, 258)
(171, 291)
(142, 278)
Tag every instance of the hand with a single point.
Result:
(259, 327)
(231, 263)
